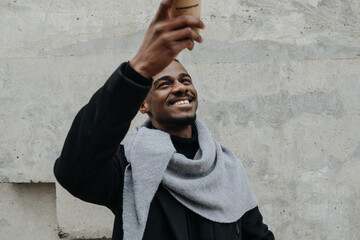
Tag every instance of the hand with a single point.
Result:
(165, 39)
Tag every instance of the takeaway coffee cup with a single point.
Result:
(186, 7)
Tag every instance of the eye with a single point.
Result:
(186, 80)
(162, 84)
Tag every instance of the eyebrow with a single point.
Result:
(184, 75)
(167, 77)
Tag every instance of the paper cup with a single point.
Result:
(186, 7)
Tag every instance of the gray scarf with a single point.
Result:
(213, 184)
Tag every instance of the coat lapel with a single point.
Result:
(174, 212)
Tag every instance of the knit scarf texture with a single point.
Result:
(214, 184)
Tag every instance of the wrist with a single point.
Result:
(140, 68)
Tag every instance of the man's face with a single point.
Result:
(172, 99)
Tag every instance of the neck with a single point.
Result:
(176, 130)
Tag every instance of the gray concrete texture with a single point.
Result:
(27, 211)
(278, 83)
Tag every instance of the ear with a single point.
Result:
(144, 107)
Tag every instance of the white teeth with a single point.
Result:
(181, 102)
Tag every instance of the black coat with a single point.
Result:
(92, 163)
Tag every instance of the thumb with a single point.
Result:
(164, 9)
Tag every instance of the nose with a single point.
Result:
(179, 87)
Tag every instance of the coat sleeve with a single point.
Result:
(89, 166)
(253, 227)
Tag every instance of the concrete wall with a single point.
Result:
(278, 82)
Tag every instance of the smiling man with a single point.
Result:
(169, 179)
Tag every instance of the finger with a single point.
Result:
(185, 20)
(184, 33)
(190, 45)
(181, 45)
(164, 10)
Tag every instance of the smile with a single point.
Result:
(181, 102)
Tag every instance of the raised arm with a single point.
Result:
(88, 166)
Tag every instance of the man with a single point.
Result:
(170, 179)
